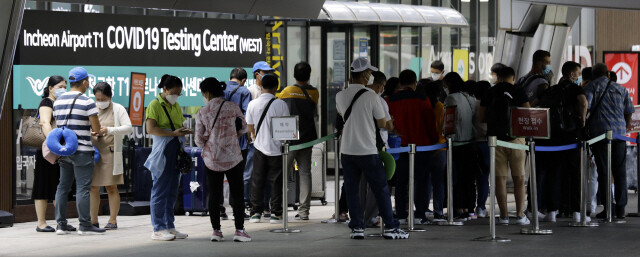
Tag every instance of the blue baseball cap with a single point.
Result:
(78, 74)
(261, 65)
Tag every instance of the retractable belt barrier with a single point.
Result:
(311, 143)
(625, 138)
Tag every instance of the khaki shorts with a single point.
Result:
(507, 158)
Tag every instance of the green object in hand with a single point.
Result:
(389, 163)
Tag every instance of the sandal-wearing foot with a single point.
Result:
(111, 226)
(46, 229)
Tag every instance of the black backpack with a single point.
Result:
(499, 115)
(563, 112)
(525, 83)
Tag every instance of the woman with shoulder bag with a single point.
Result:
(218, 125)
(45, 174)
(108, 172)
(164, 122)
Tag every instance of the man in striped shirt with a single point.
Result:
(77, 112)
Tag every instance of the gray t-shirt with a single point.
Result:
(465, 109)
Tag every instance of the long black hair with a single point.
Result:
(169, 81)
(454, 82)
(53, 80)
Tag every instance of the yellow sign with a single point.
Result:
(461, 63)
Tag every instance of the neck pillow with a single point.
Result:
(62, 141)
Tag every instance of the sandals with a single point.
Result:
(46, 229)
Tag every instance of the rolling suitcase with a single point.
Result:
(318, 174)
(194, 185)
(142, 181)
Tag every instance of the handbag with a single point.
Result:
(184, 163)
(48, 155)
(32, 134)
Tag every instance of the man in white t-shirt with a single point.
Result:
(359, 154)
(267, 159)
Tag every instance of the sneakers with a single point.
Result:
(267, 214)
(395, 233)
(90, 230)
(62, 230)
(429, 213)
(523, 221)
(461, 217)
(217, 236)
(551, 216)
(255, 218)
(423, 221)
(503, 221)
(473, 216)
(241, 236)
(576, 217)
(403, 221)
(246, 217)
(224, 216)
(481, 213)
(302, 217)
(162, 235)
(357, 233)
(439, 217)
(275, 219)
(177, 233)
(529, 215)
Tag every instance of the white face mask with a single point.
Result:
(435, 76)
(370, 82)
(59, 92)
(172, 99)
(493, 79)
(205, 100)
(103, 105)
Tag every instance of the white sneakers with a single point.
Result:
(162, 235)
(481, 213)
(504, 221)
(576, 217)
(168, 235)
(523, 221)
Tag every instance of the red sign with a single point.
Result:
(635, 120)
(530, 122)
(449, 120)
(625, 65)
(136, 100)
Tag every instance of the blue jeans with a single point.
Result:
(438, 170)
(402, 184)
(371, 166)
(248, 170)
(79, 166)
(164, 191)
(482, 181)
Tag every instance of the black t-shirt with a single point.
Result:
(558, 137)
(519, 98)
(48, 103)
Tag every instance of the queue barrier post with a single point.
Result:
(584, 177)
(450, 221)
(492, 196)
(609, 194)
(336, 168)
(412, 158)
(535, 225)
(285, 207)
(637, 214)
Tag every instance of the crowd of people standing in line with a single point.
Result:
(233, 129)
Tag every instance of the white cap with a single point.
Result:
(361, 64)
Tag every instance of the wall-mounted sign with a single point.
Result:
(65, 38)
(625, 65)
(461, 63)
(136, 98)
(284, 128)
(449, 120)
(530, 122)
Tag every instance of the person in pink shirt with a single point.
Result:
(218, 125)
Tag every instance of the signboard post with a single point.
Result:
(531, 123)
(136, 98)
(285, 128)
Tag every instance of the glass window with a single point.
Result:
(409, 46)
(60, 7)
(430, 49)
(487, 34)
(160, 12)
(92, 8)
(361, 42)
(190, 14)
(315, 60)
(580, 44)
(389, 51)
(131, 11)
(336, 74)
(296, 50)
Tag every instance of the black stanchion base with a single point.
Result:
(612, 222)
(282, 230)
(450, 223)
(492, 239)
(134, 208)
(374, 235)
(531, 231)
(635, 215)
(580, 224)
(415, 230)
(333, 221)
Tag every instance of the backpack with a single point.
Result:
(499, 118)
(525, 83)
(563, 112)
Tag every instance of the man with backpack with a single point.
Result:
(302, 100)
(495, 108)
(610, 109)
(567, 109)
(361, 110)
(538, 79)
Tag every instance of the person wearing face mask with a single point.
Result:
(79, 114)
(415, 122)
(259, 69)
(45, 174)
(538, 79)
(495, 70)
(437, 74)
(108, 171)
(567, 105)
(217, 134)
(164, 121)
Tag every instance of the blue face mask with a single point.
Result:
(547, 69)
(59, 92)
(578, 81)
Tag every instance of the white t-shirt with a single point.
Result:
(255, 92)
(383, 132)
(359, 133)
(263, 141)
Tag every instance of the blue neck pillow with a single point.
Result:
(62, 141)
(96, 155)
